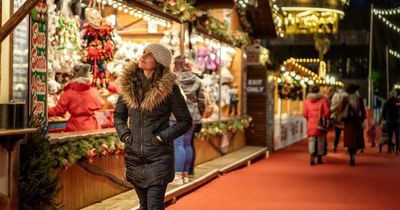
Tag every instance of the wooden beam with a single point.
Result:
(16, 18)
(122, 28)
(153, 9)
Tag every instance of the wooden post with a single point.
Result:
(16, 18)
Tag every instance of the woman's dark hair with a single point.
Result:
(158, 72)
(314, 89)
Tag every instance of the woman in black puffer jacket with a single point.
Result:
(149, 94)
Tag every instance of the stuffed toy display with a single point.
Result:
(53, 88)
(99, 45)
(207, 59)
(171, 41)
(233, 100)
(127, 51)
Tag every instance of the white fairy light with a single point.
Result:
(394, 53)
(394, 11)
(117, 4)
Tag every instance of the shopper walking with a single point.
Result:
(390, 114)
(353, 116)
(191, 86)
(316, 108)
(149, 95)
(336, 116)
(81, 100)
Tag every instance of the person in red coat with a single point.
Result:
(315, 107)
(81, 100)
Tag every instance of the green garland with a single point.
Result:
(220, 128)
(214, 26)
(187, 12)
(69, 153)
(182, 8)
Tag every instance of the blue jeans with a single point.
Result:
(184, 151)
(316, 145)
(151, 198)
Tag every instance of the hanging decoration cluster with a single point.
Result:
(98, 45)
(223, 127)
(291, 87)
(67, 154)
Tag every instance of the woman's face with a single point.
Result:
(147, 61)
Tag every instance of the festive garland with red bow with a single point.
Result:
(182, 8)
(221, 128)
(69, 153)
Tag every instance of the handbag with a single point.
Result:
(345, 113)
(322, 121)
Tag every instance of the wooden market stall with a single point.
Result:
(137, 23)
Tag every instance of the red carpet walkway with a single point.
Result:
(287, 181)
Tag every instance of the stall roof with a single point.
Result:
(260, 17)
(154, 9)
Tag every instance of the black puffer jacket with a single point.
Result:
(149, 161)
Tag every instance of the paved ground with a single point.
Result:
(287, 181)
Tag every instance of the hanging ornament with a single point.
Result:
(98, 36)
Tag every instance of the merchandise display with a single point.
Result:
(84, 45)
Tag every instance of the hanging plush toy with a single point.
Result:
(207, 59)
(98, 38)
(234, 100)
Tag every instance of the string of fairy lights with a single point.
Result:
(306, 77)
(147, 16)
(394, 53)
(380, 13)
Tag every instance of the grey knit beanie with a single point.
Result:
(161, 54)
(81, 70)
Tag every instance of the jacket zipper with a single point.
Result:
(141, 140)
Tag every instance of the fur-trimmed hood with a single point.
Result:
(157, 94)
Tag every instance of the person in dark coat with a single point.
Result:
(149, 95)
(353, 117)
(390, 113)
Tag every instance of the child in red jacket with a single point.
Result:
(81, 100)
(316, 107)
